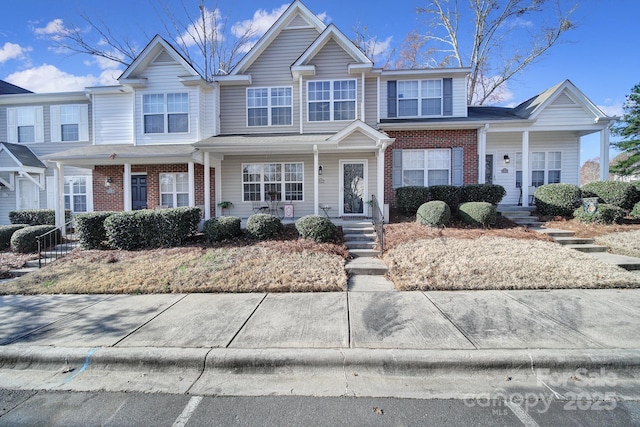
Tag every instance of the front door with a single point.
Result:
(488, 169)
(28, 194)
(353, 187)
(138, 192)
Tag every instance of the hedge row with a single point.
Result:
(617, 193)
(606, 214)
(6, 232)
(223, 228)
(25, 240)
(90, 229)
(409, 199)
(37, 216)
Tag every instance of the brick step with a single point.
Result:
(588, 247)
(573, 240)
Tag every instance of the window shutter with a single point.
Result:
(392, 101)
(56, 132)
(396, 176)
(12, 129)
(39, 127)
(457, 169)
(83, 126)
(447, 97)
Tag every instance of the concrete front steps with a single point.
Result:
(366, 271)
(33, 265)
(520, 215)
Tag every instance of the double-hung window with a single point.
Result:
(537, 168)
(266, 181)
(426, 167)
(330, 100)
(69, 123)
(419, 98)
(75, 193)
(543, 164)
(554, 166)
(25, 124)
(166, 113)
(269, 106)
(174, 189)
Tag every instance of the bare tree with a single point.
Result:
(590, 171)
(499, 40)
(375, 50)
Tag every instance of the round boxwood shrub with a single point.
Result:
(606, 214)
(635, 212)
(409, 199)
(450, 194)
(223, 228)
(25, 240)
(90, 229)
(617, 193)
(557, 199)
(317, 228)
(434, 214)
(477, 213)
(6, 231)
(490, 193)
(263, 226)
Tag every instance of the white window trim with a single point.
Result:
(546, 169)
(332, 100)
(166, 113)
(12, 124)
(426, 165)
(83, 123)
(174, 192)
(88, 194)
(269, 107)
(282, 182)
(18, 193)
(420, 98)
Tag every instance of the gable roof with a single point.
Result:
(151, 51)
(297, 8)
(22, 155)
(333, 33)
(7, 88)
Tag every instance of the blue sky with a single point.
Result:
(601, 57)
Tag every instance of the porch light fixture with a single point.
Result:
(506, 158)
(108, 182)
(320, 170)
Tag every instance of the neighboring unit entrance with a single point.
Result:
(138, 192)
(28, 194)
(353, 187)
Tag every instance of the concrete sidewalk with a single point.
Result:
(407, 344)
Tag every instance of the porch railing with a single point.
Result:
(378, 222)
(53, 244)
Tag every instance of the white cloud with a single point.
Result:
(379, 49)
(194, 32)
(12, 51)
(54, 27)
(48, 78)
(611, 108)
(260, 23)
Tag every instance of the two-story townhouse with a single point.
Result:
(306, 124)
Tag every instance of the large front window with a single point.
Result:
(174, 189)
(426, 167)
(170, 112)
(331, 100)
(272, 181)
(269, 106)
(75, 193)
(543, 164)
(419, 98)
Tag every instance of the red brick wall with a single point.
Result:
(112, 199)
(425, 139)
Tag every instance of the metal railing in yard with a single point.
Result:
(378, 222)
(54, 244)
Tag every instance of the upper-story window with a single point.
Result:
(269, 106)
(419, 98)
(69, 122)
(331, 100)
(24, 124)
(170, 112)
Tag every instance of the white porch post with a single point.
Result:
(604, 154)
(217, 164)
(58, 188)
(380, 177)
(192, 184)
(482, 154)
(526, 179)
(207, 186)
(316, 196)
(126, 184)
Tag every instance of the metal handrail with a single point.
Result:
(378, 222)
(55, 242)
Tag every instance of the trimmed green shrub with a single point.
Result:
(90, 229)
(25, 240)
(450, 194)
(617, 193)
(263, 226)
(478, 213)
(317, 228)
(434, 214)
(635, 212)
(223, 228)
(606, 214)
(37, 216)
(151, 228)
(6, 231)
(557, 199)
(409, 199)
(490, 193)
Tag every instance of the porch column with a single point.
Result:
(192, 184)
(316, 196)
(526, 174)
(207, 186)
(126, 187)
(482, 154)
(58, 188)
(217, 164)
(380, 177)
(604, 154)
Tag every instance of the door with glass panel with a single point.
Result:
(353, 188)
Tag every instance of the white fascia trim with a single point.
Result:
(31, 98)
(194, 81)
(426, 71)
(298, 71)
(332, 32)
(233, 80)
(134, 83)
(108, 90)
(150, 52)
(359, 68)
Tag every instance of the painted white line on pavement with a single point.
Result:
(182, 420)
(521, 414)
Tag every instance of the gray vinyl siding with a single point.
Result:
(3, 124)
(271, 69)
(370, 102)
(114, 119)
(207, 113)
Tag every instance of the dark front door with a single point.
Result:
(138, 192)
(488, 169)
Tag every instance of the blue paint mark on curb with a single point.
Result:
(84, 367)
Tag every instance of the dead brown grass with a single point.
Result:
(591, 230)
(623, 243)
(10, 261)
